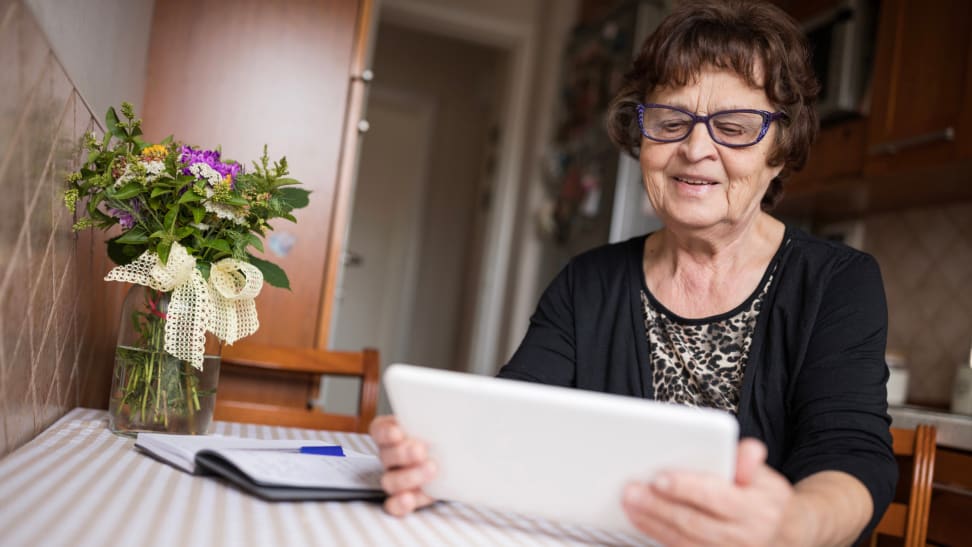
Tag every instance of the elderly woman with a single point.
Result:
(725, 307)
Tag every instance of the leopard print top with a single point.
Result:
(700, 362)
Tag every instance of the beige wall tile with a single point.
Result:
(926, 261)
(41, 273)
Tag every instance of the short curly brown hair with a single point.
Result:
(742, 36)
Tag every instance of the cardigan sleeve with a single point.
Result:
(838, 401)
(547, 353)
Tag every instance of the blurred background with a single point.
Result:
(457, 156)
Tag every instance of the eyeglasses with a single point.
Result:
(732, 128)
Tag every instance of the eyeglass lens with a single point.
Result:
(731, 128)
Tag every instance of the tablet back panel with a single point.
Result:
(552, 452)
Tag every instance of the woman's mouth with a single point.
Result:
(694, 181)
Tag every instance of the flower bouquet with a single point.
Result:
(188, 219)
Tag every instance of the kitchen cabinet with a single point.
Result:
(919, 85)
(837, 154)
(912, 144)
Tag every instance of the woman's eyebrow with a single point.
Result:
(721, 108)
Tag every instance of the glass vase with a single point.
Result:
(152, 391)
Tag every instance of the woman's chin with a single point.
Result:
(696, 218)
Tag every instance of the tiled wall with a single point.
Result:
(926, 261)
(42, 263)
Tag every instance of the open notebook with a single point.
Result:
(272, 469)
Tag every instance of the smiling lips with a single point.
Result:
(695, 182)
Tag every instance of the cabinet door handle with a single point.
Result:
(893, 147)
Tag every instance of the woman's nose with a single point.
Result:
(698, 145)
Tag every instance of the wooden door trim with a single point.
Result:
(347, 167)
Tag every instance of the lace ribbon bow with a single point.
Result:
(224, 306)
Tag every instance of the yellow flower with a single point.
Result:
(71, 199)
(156, 152)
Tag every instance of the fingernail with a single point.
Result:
(633, 494)
(662, 482)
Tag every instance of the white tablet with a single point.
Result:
(551, 452)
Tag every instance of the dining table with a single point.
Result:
(77, 483)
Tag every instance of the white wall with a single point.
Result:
(536, 259)
(102, 44)
(513, 26)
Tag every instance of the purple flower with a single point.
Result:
(189, 156)
(125, 219)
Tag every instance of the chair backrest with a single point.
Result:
(909, 521)
(277, 385)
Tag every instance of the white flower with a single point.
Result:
(153, 170)
(205, 172)
(127, 176)
(223, 210)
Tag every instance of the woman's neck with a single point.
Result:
(708, 272)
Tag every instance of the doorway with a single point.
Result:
(410, 281)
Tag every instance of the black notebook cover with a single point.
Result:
(211, 463)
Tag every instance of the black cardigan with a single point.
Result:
(814, 386)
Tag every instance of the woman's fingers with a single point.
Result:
(750, 457)
(404, 479)
(407, 467)
(670, 521)
(385, 431)
(407, 453)
(404, 503)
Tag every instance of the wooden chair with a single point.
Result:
(278, 385)
(915, 449)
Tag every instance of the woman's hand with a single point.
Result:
(407, 467)
(684, 508)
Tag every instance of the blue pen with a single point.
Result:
(322, 450)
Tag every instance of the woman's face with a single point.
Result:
(698, 184)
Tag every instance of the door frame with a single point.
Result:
(518, 42)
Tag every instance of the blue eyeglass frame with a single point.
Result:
(768, 118)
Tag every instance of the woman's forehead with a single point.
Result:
(712, 87)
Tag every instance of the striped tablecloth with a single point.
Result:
(78, 484)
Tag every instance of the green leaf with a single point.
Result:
(184, 232)
(134, 236)
(294, 198)
(236, 200)
(283, 181)
(198, 213)
(158, 191)
(111, 117)
(120, 253)
(272, 274)
(204, 268)
(218, 244)
(98, 216)
(256, 242)
(113, 125)
(289, 217)
(128, 191)
(92, 156)
(163, 250)
(170, 219)
(189, 197)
